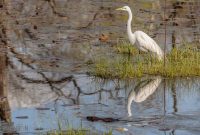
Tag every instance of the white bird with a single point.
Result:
(142, 91)
(142, 40)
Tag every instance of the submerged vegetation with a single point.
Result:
(76, 132)
(72, 131)
(69, 130)
(129, 63)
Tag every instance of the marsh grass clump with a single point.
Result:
(118, 68)
(126, 48)
(181, 62)
(106, 68)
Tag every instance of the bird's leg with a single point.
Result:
(141, 52)
(129, 57)
(149, 58)
(154, 58)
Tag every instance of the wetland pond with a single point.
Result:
(46, 46)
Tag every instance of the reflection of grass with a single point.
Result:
(179, 63)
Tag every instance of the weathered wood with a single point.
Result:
(4, 105)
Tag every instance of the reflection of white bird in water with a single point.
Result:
(142, 91)
(141, 39)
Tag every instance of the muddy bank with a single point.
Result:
(64, 25)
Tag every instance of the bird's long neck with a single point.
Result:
(129, 29)
(131, 35)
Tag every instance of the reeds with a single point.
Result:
(182, 62)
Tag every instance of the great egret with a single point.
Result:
(141, 39)
(142, 91)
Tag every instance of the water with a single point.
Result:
(44, 83)
(147, 106)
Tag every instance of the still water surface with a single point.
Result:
(145, 106)
(46, 80)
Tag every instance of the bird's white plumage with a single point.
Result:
(147, 44)
(142, 91)
(140, 39)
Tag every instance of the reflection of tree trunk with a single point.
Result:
(174, 95)
(193, 22)
(173, 16)
(4, 106)
(173, 132)
(176, 8)
(164, 97)
(155, 6)
(5, 114)
(173, 39)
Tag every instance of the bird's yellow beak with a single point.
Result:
(119, 9)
